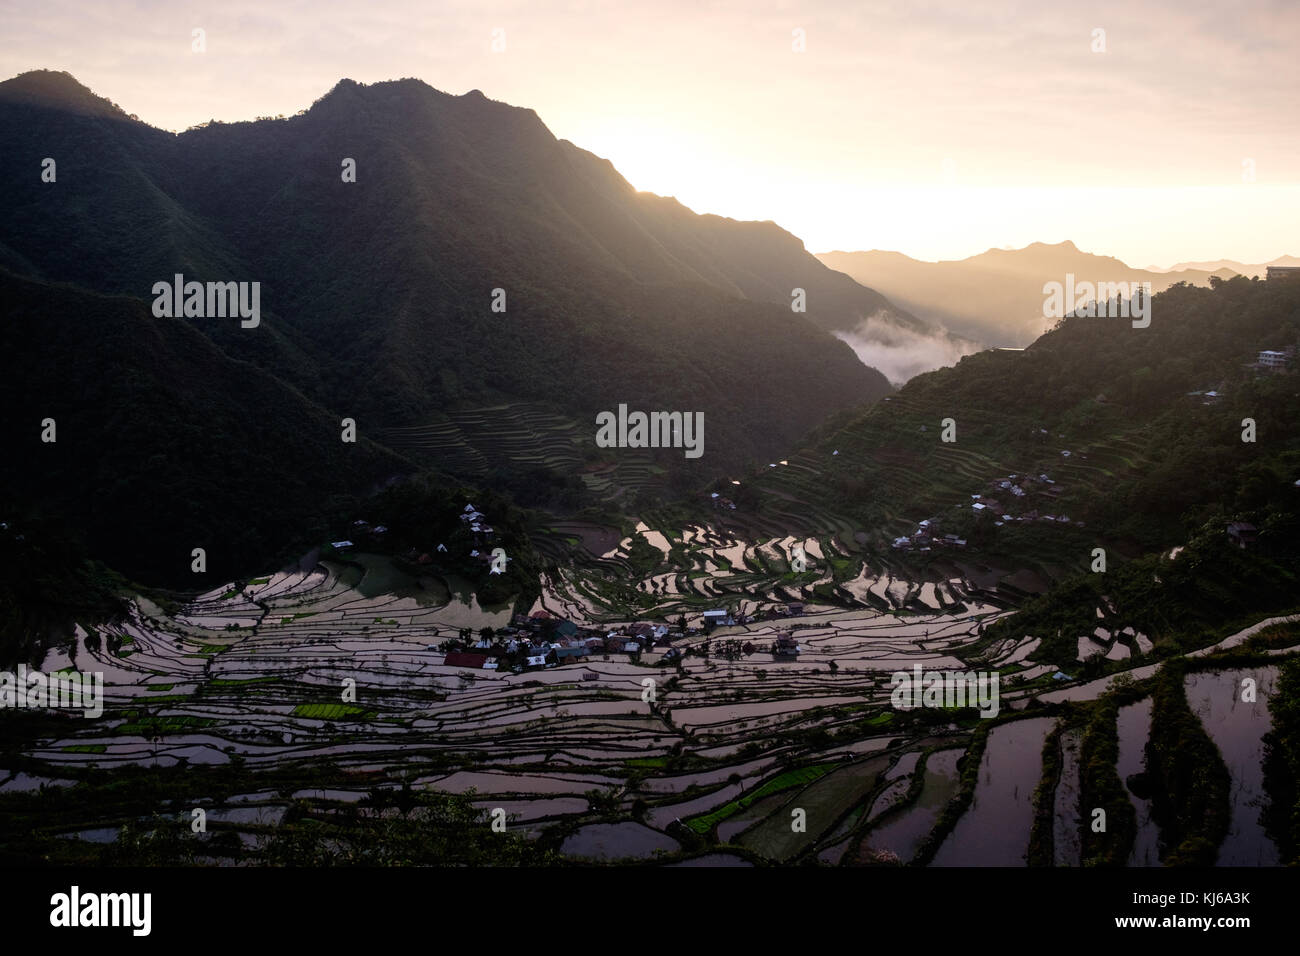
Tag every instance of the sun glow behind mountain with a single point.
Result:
(938, 132)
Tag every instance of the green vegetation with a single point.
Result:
(1042, 837)
(218, 682)
(1189, 782)
(418, 827)
(150, 725)
(319, 711)
(1101, 786)
(1282, 763)
(786, 780)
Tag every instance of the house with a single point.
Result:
(589, 675)
(631, 647)
(340, 545)
(566, 629)
(1272, 359)
(794, 608)
(571, 653)
(536, 660)
(1242, 533)
(905, 542)
(785, 645)
(1282, 272)
(718, 618)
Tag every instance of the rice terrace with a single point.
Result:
(681, 697)
(445, 439)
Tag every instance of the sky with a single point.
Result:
(934, 128)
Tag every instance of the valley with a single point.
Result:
(387, 573)
(311, 695)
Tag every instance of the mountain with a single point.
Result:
(376, 303)
(161, 442)
(997, 296)
(1143, 437)
(382, 289)
(1230, 265)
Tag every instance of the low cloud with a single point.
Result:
(901, 353)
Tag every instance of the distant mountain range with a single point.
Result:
(376, 300)
(997, 296)
(1231, 265)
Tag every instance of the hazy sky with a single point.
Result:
(935, 128)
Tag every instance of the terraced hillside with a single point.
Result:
(317, 698)
(541, 454)
(304, 697)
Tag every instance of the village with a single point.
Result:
(1015, 492)
(545, 640)
(542, 639)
